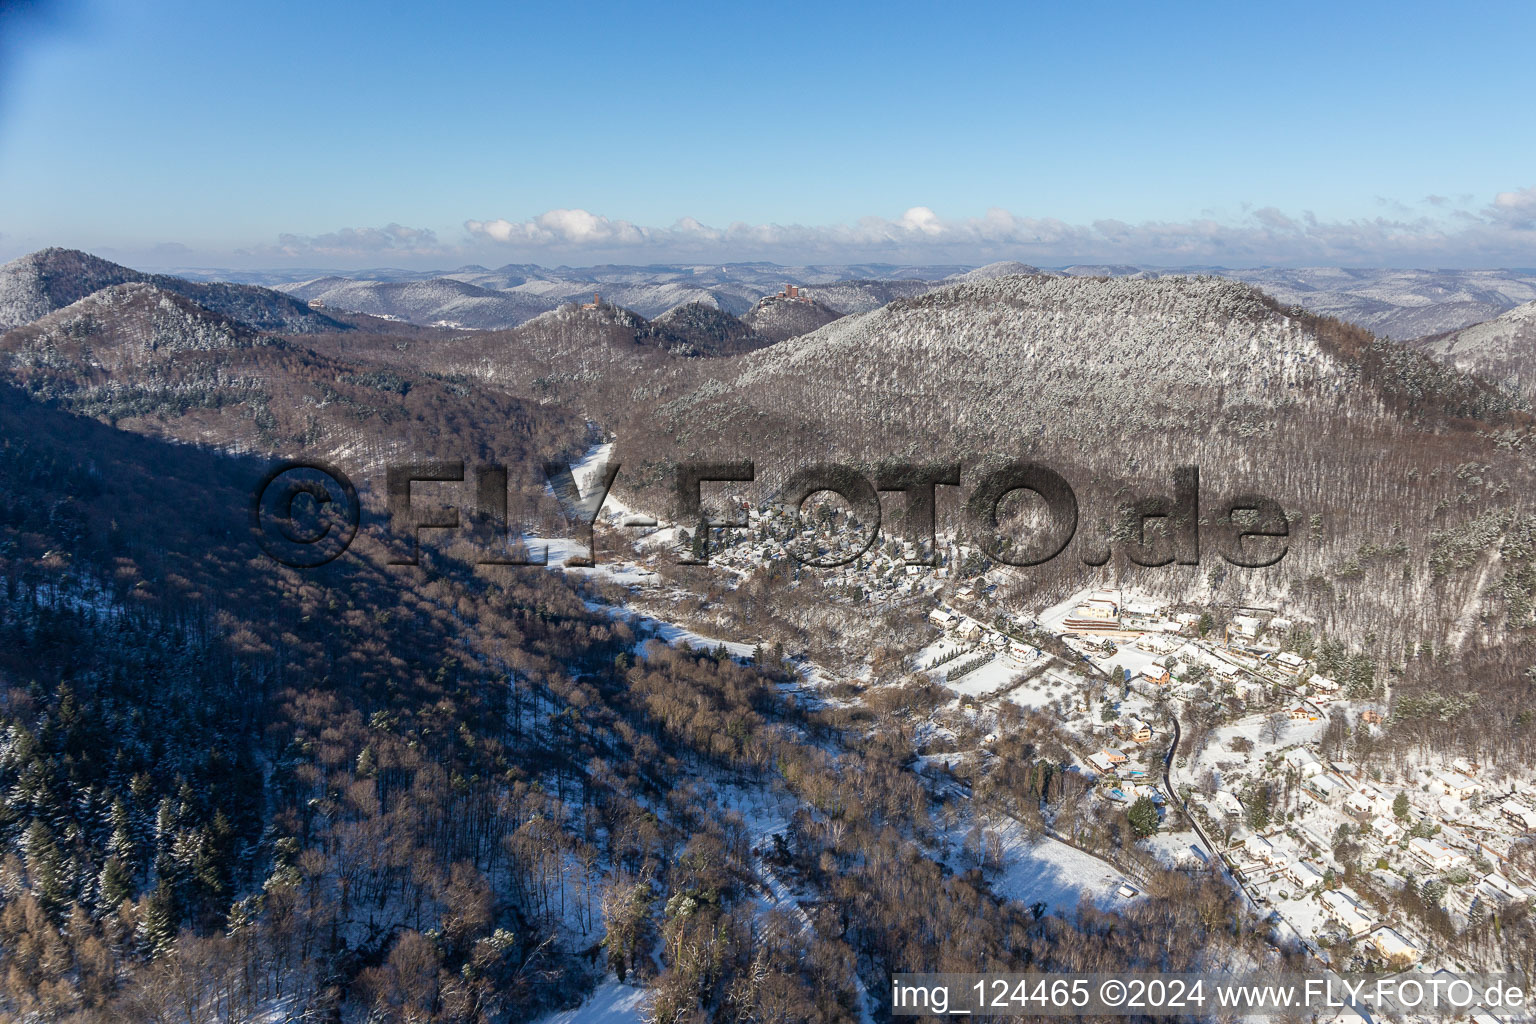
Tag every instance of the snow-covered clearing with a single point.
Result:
(1039, 869)
(612, 1002)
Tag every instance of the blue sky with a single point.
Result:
(180, 134)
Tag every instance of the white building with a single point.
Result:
(1289, 663)
(1435, 854)
(1394, 948)
(1262, 849)
(1360, 803)
(1501, 890)
(1303, 761)
(1322, 684)
(1389, 830)
(1247, 626)
(1456, 784)
(1305, 874)
(1344, 911)
(1518, 813)
(1326, 788)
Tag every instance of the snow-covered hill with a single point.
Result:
(1502, 349)
(776, 319)
(439, 301)
(1399, 304)
(37, 284)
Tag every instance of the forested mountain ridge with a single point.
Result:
(1115, 382)
(151, 361)
(775, 319)
(33, 286)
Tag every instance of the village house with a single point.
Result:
(1456, 784)
(1388, 830)
(1359, 803)
(1464, 766)
(1322, 684)
(1289, 663)
(1518, 813)
(1435, 854)
(1229, 805)
(1134, 729)
(1326, 788)
(1303, 761)
(1345, 912)
(1244, 627)
(1101, 611)
(1396, 950)
(1305, 874)
(1302, 713)
(943, 618)
(1494, 886)
(1155, 674)
(1266, 851)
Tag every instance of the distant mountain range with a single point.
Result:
(1399, 304)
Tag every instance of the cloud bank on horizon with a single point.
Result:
(1442, 232)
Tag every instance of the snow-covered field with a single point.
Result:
(1039, 869)
(612, 1002)
(985, 681)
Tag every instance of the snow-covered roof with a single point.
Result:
(1392, 944)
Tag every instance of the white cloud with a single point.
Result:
(393, 238)
(1517, 209)
(1502, 234)
(920, 218)
(563, 227)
